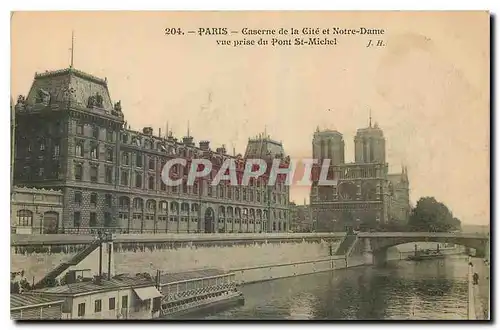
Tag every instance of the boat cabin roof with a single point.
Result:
(23, 301)
(91, 287)
(199, 274)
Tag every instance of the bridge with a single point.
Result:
(375, 244)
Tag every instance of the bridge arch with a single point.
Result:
(378, 243)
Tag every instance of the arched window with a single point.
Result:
(24, 218)
(138, 180)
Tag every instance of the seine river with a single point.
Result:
(433, 289)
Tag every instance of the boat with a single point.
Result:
(206, 290)
(425, 255)
(204, 304)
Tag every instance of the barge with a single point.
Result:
(426, 255)
(206, 290)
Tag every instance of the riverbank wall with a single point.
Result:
(252, 257)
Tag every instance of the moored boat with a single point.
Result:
(197, 291)
(426, 255)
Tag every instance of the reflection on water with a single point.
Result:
(432, 289)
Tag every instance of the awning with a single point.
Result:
(149, 292)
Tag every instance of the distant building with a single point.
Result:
(364, 194)
(301, 218)
(71, 137)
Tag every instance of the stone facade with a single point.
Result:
(70, 136)
(35, 211)
(363, 194)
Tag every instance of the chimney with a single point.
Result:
(187, 140)
(205, 145)
(221, 150)
(148, 131)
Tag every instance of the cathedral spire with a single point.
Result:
(370, 118)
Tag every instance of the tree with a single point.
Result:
(432, 216)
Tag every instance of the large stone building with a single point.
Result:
(70, 136)
(362, 194)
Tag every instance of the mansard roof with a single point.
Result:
(69, 85)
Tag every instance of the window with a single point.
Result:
(111, 303)
(79, 131)
(109, 135)
(138, 160)
(195, 188)
(95, 132)
(24, 217)
(124, 178)
(93, 151)
(107, 219)
(56, 150)
(109, 174)
(151, 163)
(93, 219)
(221, 192)
(76, 219)
(151, 182)
(109, 154)
(98, 306)
(79, 149)
(108, 200)
(125, 138)
(125, 158)
(81, 309)
(93, 174)
(138, 180)
(125, 302)
(78, 172)
(163, 207)
(40, 172)
(93, 200)
(209, 190)
(42, 145)
(163, 186)
(78, 198)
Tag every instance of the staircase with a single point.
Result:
(50, 278)
(345, 245)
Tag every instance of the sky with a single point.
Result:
(427, 88)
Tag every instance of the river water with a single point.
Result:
(432, 289)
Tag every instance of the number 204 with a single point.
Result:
(173, 31)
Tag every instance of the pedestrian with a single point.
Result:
(475, 279)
